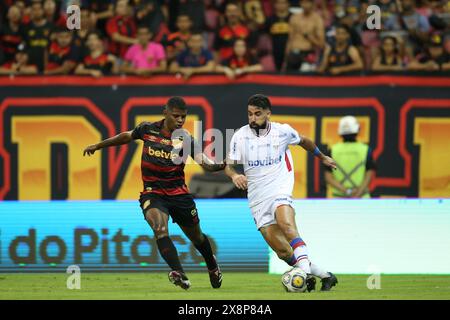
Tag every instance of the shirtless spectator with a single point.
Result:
(307, 34)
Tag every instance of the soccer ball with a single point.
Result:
(294, 280)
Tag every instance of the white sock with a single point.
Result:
(301, 254)
(318, 272)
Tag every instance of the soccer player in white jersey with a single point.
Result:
(262, 147)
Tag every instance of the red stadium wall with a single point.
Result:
(47, 121)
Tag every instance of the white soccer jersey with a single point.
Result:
(267, 160)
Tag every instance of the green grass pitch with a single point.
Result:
(236, 286)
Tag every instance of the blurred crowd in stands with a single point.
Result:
(187, 37)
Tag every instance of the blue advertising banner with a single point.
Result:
(343, 236)
(113, 236)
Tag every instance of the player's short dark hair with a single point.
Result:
(259, 101)
(176, 102)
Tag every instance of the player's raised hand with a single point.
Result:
(329, 162)
(240, 181)
(90, 150)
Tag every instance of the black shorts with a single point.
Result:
(181, 208)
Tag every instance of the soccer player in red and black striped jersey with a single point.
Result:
(165, 192)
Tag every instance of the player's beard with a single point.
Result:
(258, 128)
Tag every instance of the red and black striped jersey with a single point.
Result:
(163, 158)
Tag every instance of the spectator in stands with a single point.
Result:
(354, 29)
(195, 9)
(277, 26)
(240, 63)
(232, 29)
(341, 57)
(37, 35)
(150, 13)
(306, 36)
(121, 29)
(355, 9)
(11, 34)
(387, 7)
(4, 5)
(52, 14)
(195, 59)
(87, 25)
(20, 64)
(324, 8)
(388, 58)
(439, 15)
(176, 42)
(102, 11)
(98, 62)
(434, 58)
(24, 11)
(146, 57)
(63, 54)
(415, 24)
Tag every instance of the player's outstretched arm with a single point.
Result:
(207, 164)
(310, 146)
(122, 138)
(239, 180)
